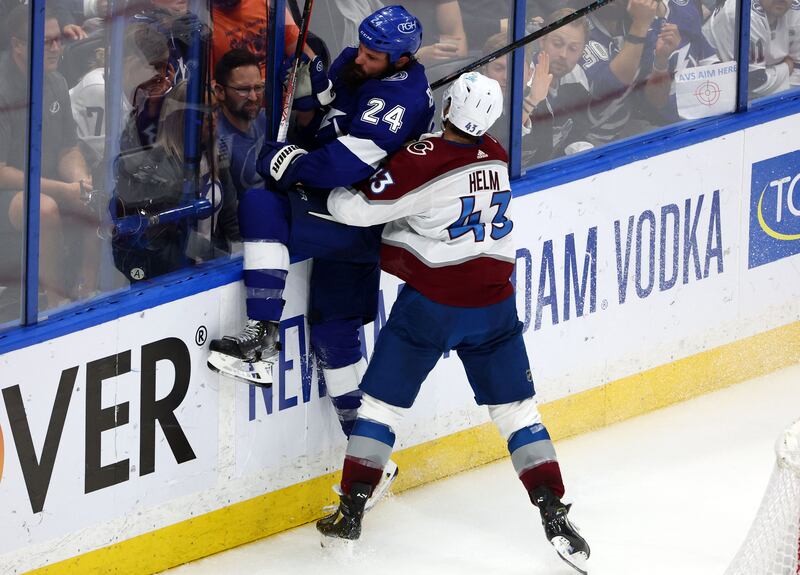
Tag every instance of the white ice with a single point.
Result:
(672, 492)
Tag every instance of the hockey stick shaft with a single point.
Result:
(561, 22)
(283, 128)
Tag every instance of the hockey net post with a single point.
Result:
(772, 545)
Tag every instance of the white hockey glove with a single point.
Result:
(313, 89)
(277, 162)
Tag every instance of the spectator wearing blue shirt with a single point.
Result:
(241, 121)
(611, 62)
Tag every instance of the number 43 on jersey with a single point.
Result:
(471, 220)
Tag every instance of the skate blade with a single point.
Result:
(341, 548)
(258, 373)
(381, 491)
(575, 560)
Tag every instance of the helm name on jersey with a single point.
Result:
(484, 180)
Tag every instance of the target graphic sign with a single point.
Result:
(708, 93)
(703, 91)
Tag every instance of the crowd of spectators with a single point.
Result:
(628, 67)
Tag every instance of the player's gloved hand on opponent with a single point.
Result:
(277, 161)
(313, 89)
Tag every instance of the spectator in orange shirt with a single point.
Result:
(243, 24)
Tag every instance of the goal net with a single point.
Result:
(772, 546)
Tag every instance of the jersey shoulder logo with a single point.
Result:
(598, 49)
(482, 155)
(420, 148)
(680, 3)
(399, 77)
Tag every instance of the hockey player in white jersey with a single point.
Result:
(771, 65)
(445, 202)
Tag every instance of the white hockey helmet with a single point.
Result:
(472, 103)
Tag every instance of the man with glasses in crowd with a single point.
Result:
(242, 122)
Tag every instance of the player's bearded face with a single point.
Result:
(367, 64)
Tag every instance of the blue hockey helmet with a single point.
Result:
(393, 30)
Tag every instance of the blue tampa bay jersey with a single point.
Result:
(363, 126)
(610, 107)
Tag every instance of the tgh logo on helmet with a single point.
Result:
(407, 27)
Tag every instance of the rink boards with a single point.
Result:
(638, 287)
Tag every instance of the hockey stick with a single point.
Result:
(521, 42)
(283, 128)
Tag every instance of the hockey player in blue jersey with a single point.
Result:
(374, 99)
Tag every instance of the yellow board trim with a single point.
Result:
(271, 513)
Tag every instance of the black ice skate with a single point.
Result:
(563, 535)
(345, 522)
(390, 472)
(249, 355)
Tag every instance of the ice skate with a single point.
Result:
(389, 475)
(561, 533)
(249, 355)
(345, 522)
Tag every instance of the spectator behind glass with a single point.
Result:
(556, 102)
(611, 61)
(144, 78)
(88, 98)
(69, 246)
(180, 27)
(241, 122)
(771, 23)
(243, 25)
(147, 79)
(498, 70)
(674, 43)
(444, 39)
(62, 11)
(151, 180)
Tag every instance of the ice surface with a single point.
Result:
(672, 492)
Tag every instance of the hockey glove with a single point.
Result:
(277, 161)
(313, 89)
